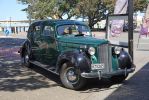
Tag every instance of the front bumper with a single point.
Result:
(99, 74)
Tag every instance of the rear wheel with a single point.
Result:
(26, 58)
(70, 77)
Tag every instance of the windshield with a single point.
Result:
(76, 30)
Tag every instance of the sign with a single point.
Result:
(118, 39)
(117, 25)
(7, 31)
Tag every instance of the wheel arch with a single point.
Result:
(78, 59)
(23, 48)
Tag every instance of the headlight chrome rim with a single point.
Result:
(117, 50)
(91, 50)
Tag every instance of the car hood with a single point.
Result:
(82, 40)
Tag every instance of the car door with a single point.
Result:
(35, 38)
(49, 46)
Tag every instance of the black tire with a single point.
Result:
(77, 83)
(118, 78)
(26, 58)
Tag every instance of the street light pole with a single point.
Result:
(130, 30)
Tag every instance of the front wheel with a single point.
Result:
(70, 77)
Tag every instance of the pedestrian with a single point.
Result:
(6, 32)
(144, 27)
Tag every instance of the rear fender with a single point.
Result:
(24, 46)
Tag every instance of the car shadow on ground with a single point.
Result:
(14, 76)
(47, 74)
(96, 85)
(10, 42)
(135, 88)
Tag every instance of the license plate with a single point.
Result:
(97, 66)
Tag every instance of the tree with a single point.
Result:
(93, 10)
(55, 9)
(140, 5)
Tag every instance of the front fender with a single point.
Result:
(79, 59)
(125, 60)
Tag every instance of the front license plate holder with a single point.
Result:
(97, 66)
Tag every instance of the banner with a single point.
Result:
(117, 25)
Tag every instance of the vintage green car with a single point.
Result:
(67, 48)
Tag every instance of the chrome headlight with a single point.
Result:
(91, 50)
(117, 50)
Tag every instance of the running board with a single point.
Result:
(46, 67)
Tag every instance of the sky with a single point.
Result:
(11, 8)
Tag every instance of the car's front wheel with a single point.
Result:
(70, 77)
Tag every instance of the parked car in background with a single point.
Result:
(68, 49)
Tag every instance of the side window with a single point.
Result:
(48, 31)
(37, 29)
(36, 32)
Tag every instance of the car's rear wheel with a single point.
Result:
(71, 78)
(26, 58)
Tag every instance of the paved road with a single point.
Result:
(21, 83)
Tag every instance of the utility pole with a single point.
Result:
(29, 14)
(130, 25)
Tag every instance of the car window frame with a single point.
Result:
(51, 32)
(58, 35)
(35, 33)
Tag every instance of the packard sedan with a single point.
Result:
(68, 49)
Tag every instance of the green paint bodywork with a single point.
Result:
(94, 59)
(114, 63)
(51, 47)
(82, 40)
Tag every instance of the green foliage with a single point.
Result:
(140, 5)
(93, 10)
(55, 9)
(109, 5)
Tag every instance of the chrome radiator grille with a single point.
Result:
(104, 56)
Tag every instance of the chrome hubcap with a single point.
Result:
(71, 75)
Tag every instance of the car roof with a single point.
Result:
(60, 22)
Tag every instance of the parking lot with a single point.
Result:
(21, 83)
